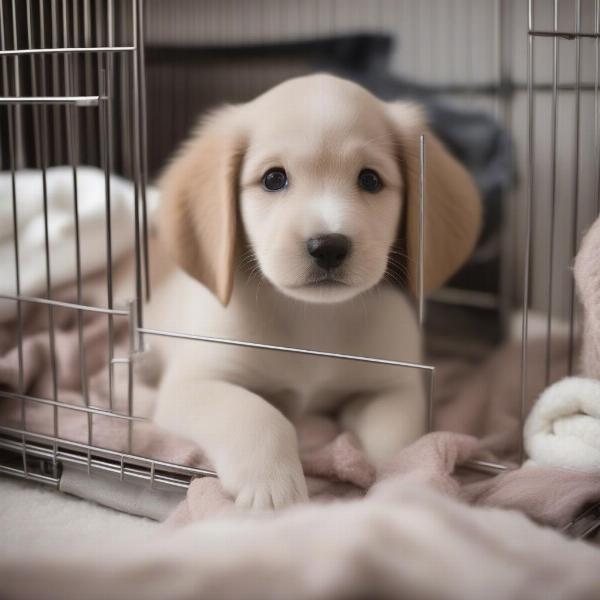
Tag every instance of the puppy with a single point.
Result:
(295, 221)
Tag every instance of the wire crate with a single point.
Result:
(74, 81)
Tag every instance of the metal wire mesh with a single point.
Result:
(72, 76)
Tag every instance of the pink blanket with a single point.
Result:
(404, 540)
(549, 496)
(485, 406)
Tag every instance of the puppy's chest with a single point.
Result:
(298, 383)
(308, 384)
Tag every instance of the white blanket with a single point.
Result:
(563, 428)
(402, 541)
(91, 193)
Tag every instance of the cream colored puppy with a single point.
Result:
(299, 211)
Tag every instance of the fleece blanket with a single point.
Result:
(547, 495)
(403, 540)
(563, 428)
(61, 235)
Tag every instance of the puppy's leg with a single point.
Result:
(387, 422)
(252, 446)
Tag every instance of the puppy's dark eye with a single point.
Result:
(369, 181)
(274, 179)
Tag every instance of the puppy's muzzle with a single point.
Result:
(329, 250)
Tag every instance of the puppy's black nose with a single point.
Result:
(329, 250)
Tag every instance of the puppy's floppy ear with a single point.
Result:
(452, 203)
(199, 194)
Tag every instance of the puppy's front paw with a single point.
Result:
(264, 473)
(273, 490)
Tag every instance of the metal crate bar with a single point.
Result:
(125, 461)
(366, 359)
(575, 188)
(230, 342)
(14, 472)
(100, 465)
(83, 101)
(553, 192)
(99, 309)
(78, 50)
(92, 410)
(41, 135)
(529, 230)
(567, 35)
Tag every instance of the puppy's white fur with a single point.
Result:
(240, 404)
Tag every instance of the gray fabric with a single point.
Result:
(131, 496)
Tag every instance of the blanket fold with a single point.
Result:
(60, 194)
(550, 496)
(563, 428)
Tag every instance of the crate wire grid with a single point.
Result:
(64, 117)
(63, 19)
(34, 445)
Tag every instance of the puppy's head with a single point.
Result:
(325, 180)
